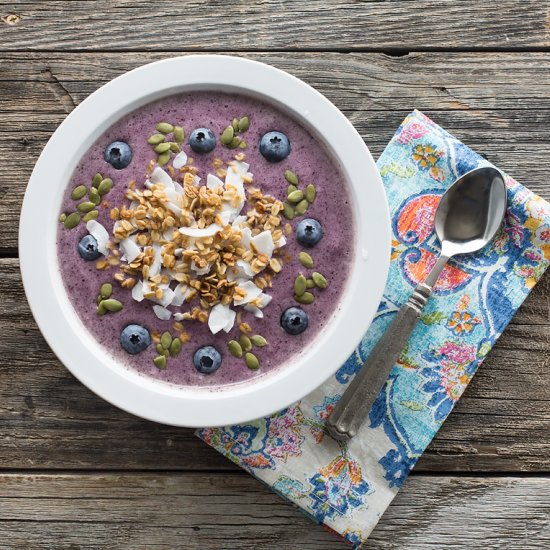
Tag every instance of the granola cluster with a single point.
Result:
(201, 237)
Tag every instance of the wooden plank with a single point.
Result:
(49, 420)
(235, 511)
(496, 103)
(268, 25)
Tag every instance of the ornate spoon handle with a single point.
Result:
(354, 406)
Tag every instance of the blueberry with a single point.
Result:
(294, 320)
(118, 154)
(134, 338)
(207, 359)
(274, 146)
(202, 140)
(309, 232)
(87, 248)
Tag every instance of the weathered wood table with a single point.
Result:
(78, 473)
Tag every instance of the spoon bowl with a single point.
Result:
(471, 211)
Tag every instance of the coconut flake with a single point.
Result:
(256, 311)
(178, 316)
(236, 170)
(238, 221)
(246, 236)
(230, 321)
(264, 243)
(137, 291)
(213, 182)
(261, 301)
(130, 249)
(174, 208)
(225, 217)
(221, 317)
(155, 267)
(198, 233)
(281, 242)
(264, 300)
(162, 313)
(166, 300)
(179, 160)
(160, 176)
(251, 292)
(100, 234)
(180, 293)
(241, 270)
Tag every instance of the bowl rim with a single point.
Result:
(74, 345)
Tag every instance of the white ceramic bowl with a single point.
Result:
(75, 346)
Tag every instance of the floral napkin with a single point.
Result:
(349, 486)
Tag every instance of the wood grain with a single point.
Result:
(208, 511)
(268, 25)
(496, 103)
(49, 420)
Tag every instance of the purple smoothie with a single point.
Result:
(332, 255)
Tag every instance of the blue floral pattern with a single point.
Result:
(348, 487)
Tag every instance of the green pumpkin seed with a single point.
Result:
(227, 135)
(91, 215)
(258, 341)
(319, 280)
(98, 178)
(290, 189)
(310, 283)
(245, 342)
(311, 193)
(99, 299)
(106, 290)
(235, 348)
(72, 220)
(305, 298)
(162, 147)
(101, 309)
(244, 124)
(105, 186)
(299, 285)
(301, 207)
(78, 192)
(295, 196)
(179, 134)
(243, 144)
(288, 211)
(85, 206)
(174, 147)
(155, 139)
(166, 340)
(112, 305)
(306, 260)
(163, 159)
(62, 217)
(93, 195)
(160, 349)
(160, 362)
(291, 177)
(252, 361)
(235, 124)
(164, 127)
(175, 347)
(235, 142)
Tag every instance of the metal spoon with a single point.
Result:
(467, 218)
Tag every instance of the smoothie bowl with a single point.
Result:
(204, 240)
